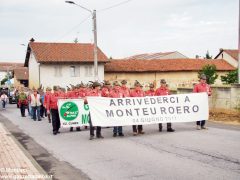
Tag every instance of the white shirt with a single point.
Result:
(4, 97)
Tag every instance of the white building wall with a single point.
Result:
(33, 68)
(228, 58)
(48, 77)
(2, 75)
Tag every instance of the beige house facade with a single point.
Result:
(177, 73)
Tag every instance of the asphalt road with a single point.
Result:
(185, 154)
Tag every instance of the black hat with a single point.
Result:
(151, 85)
(163, 81)
(124, 81)
(137, 83)
(116, 83)
(203, 76)
(96, 84)
(82, 85)
(106, 83)
(55, 88)
(48, 88)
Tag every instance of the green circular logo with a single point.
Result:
(69, 111)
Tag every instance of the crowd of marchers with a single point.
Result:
(42, 103)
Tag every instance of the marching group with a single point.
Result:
(40, 103)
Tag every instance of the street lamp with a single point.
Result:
(94, 18)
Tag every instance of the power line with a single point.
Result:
(47, 46)
(74, 27)
(101, 10)
(113, 6)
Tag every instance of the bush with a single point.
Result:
(210, 71)
(230, 78)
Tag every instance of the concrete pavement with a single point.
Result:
(184, 154)
(15, 161)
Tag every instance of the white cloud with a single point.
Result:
(190, 26)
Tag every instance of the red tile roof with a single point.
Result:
(232, 52)
(21, 73)
(6, 66)
(164, 65)
(65, 52)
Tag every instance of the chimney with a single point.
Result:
(32, 40)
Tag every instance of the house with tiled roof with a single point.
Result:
(20, 76)
(177, 72)
(62, 63)
(230, 55)
(6, 67)
(159, 55)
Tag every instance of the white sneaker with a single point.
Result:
(198, 127)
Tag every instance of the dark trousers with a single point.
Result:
(55, 120)
(92, 128)
(169, 126)
(36, 111)
(49, 117)
(138, 128)
(201, 123)
(22, 109)
(3, 103)
(117, 129)
(42, 111)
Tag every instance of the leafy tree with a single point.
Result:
(210, 71)
(197, 56)
(208, 56)
(231, 77)
(4, 80)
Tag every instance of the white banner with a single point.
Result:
(73, 113)
(148, 110)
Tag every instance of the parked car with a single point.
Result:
(12, 97)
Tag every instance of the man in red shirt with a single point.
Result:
(137, 92)
(151, 91)
(202, 86)
(125, 90)
(106, 89)
(82, 90)
(52, 106)
(116, 93)
(73, 94)
(46, 97)
(163, 91)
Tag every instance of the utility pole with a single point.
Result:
(95, 53)
(239, 44)
(95, 45)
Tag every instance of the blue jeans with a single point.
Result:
(3, 103)
(36, 110)
(30, 112)
(117, 129)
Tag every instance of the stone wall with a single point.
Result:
(223, 97)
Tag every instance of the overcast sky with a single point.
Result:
(138, 26)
